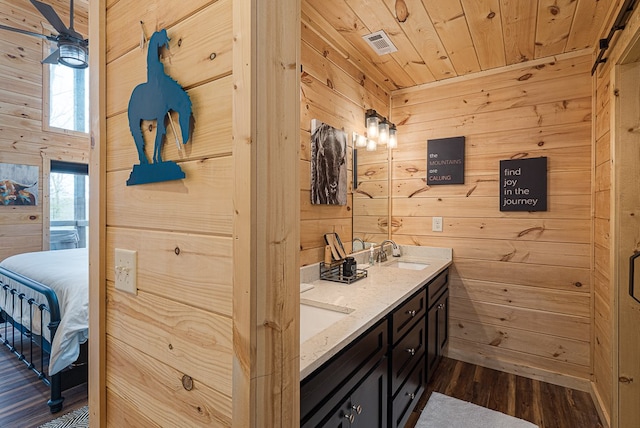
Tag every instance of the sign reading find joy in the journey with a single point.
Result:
(523, 184)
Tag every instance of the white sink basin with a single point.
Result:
(407, 265)
(316, 316)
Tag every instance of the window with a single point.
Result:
(69, 205)
(67, 96)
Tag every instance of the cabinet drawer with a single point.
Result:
(408, 396)
(407, 314)
(406, 354)
(323, 389)
(436, 287)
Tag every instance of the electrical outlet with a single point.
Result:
(126, 270)
(436, 224)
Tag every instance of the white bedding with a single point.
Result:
(66, 272)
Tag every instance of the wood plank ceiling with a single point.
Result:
(441, 39)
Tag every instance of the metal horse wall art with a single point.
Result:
(154, 100)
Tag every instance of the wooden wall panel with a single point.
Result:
(157, 392)
(604, 292)
(181, 321)
(337, 91)
(197, 268)
(23, 139)
(189, 56)
(521, 281)
(191, 340)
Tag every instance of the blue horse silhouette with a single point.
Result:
(156, 97)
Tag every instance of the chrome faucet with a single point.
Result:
(353, 244)
(382, 254)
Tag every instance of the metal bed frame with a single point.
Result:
(23, 345)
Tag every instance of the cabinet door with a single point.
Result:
(437, 331)
(341, 418)
(443, 322)
(366, 406)
(369, 401)
(327, 388)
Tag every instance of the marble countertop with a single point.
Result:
(367, 300)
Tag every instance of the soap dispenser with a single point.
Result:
(372, 259)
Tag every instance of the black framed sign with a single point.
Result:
(523, 184)
(445, 161)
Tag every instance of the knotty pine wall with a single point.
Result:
(520, 282)
(22, 137)
(180, 322)
(334, 90)
(217, 252)
(603, 289)
(615, 341)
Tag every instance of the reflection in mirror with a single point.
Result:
(370, 198)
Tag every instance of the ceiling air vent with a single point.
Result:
(380, 42)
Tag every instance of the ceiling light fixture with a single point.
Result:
(73, 55)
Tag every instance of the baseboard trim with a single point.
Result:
(605, 416)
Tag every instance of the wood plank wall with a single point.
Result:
(520, 281)
(603, 289)
(22, 138)
(178, 329)
(609, 276)
(335, 90)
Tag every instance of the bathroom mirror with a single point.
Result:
(371, 198)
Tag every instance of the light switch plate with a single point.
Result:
(126, 270)
(436, 224)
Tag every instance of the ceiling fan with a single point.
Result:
(73, 48)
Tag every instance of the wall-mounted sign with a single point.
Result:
(155, 99)
(445, 161)
(523, 184)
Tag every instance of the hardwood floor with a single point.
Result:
(23, 397)
(544, 404)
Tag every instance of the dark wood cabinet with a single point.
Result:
(408, 395)
(377, 380)
(366, 406)
(354, 379)
(437, 331)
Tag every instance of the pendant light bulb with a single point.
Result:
(372, 123)
(393, 137)
(383, 133)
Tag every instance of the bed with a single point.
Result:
(44, 301)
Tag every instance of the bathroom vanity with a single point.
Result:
(370, 364)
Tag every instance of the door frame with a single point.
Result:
(625, 228)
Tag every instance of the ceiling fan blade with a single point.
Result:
(29, 33)
(51, 16)
(53, 58)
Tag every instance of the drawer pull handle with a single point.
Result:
(412, 351)
(350, 417)
(411, 313)
(441, 306)
(411, 395)
(357, 408)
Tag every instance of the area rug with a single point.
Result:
(443, 411)
(76, 419)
